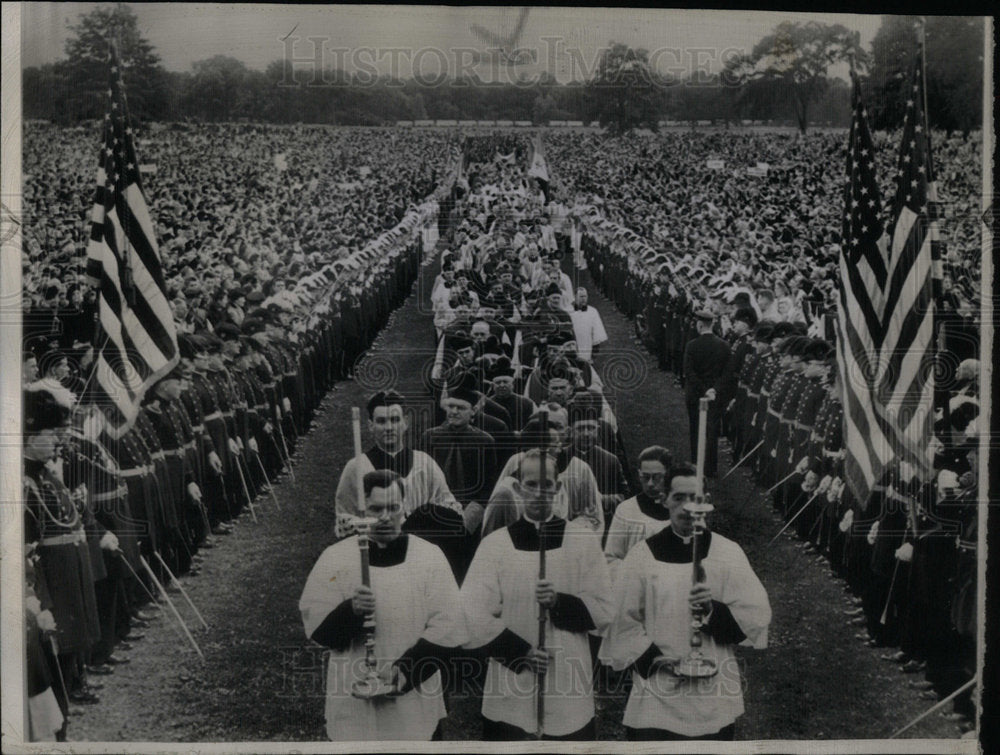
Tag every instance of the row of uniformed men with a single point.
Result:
(779, 401)
(206, 442)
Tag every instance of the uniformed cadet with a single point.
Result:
(56, 519)
(705, 360)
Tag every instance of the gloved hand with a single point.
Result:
(109, 541)
(873, 534)
(846, 521)
(233, 448)
(904, 553)
(33, 605)
(268, 428)
(836, 490)
(824, 484)
(810, 481)
(215, 462)
(286, 404)
(46, 621)
(252, 443)
(194, 491)
(802, 466)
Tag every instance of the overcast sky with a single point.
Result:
(252, 33)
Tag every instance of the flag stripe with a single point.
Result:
(136, 340)
(859, 314)
(906, 377)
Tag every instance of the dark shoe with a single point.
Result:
(139, 623)
(912, 667)
(853, 612)
(219, 531)
(921, 684)
(133, 636)
(124, 645)
(93, 686)
(929, 695)
(950, 716)
(118, 660)
(100, 670)
(82, 697)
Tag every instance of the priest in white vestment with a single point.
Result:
(502, 596)
(652, 627)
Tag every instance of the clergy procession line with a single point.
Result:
(498, 538)
(514, 394)
(524, 488)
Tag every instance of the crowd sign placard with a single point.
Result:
(715, 164)
(763, 166)
(423, 122)
(280, 163)
(147, 168)
(756, 171)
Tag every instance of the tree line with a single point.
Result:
(784, 79)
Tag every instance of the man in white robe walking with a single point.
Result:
(414, 600)
(502, 596)
(587, 325)
(652, 626)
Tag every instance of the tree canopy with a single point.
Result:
(624, 92)
(954, 47)
(791, 64)
(85, 70)
(786, 77)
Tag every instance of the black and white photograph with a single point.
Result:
(425, 377)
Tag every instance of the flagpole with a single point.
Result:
(938, 330)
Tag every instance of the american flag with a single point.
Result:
(905, 379)
(135, 340)
(863, 276)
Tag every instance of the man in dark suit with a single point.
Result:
(583, 418)
(520, 408)
(466, 455)
(705, 360)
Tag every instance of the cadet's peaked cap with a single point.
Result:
(747, 315)
(228, 330)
